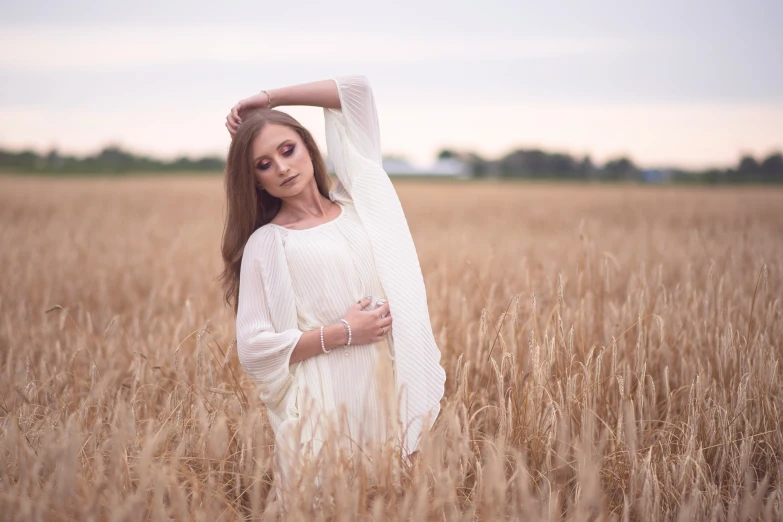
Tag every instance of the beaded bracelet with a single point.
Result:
(323, 347)
(348, 326)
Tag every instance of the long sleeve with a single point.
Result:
(360, 115)
(353, 143)
(264, 353)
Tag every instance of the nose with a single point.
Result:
(282, 166)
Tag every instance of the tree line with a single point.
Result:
(111, 160)
(519, 163)
(540, 164)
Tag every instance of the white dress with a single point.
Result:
(332, 267)
(292, 281)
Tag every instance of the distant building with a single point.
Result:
(398, 166)
(656, 175)
(450, 167)
(446, 167)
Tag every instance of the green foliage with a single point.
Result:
(111, 160)
(446, 153)
(539, 164)
(519, 163)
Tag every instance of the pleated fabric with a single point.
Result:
(332, 266)
(293, 281)
(353, 143)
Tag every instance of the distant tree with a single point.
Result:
(586, 168)
(713, 176)
(747, 170)
(731, 175)
(621, 169)
(524, 163)
(25, 160)
(476, 164)
(561, 165)
(112, 159)
(53, 160)
(209, 163)
(534, 162)
(446, 153)
(771, 169)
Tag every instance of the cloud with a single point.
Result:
(69, 48)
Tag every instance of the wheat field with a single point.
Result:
(612, 353)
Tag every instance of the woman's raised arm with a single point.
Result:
(349, 99)
(322, 93)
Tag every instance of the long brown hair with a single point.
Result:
(247, 206)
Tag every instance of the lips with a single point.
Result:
(289, 180)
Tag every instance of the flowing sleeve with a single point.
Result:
(357, 118)
(353, 144)
(263, 353)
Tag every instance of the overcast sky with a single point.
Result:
(667, 82)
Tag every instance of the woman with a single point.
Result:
(301, 262)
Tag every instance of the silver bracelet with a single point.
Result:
(323, 347)
(348, 326)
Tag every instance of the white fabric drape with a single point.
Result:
(267, 317)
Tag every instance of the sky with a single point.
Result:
(668, 83)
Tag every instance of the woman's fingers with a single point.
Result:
(386, 321)
(381, 310)
(234, 120)
(230, 124)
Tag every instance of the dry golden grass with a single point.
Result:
(611, 352)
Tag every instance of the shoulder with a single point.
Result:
(262, 240)
(339, 193)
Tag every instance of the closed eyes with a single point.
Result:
(287, 152)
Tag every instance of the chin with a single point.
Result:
(303, 180)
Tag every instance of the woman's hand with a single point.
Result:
(368, 327)
(238, 111)
(321, 93)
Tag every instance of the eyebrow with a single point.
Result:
(281, 144)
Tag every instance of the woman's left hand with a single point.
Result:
(238, 111)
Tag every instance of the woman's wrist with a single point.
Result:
(322, 93)
(274, 97)
(335, 335)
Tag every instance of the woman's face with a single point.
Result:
(279, 153)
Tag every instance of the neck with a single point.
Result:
(308, 203)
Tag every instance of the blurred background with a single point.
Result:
(121, 391)
(650, 91)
